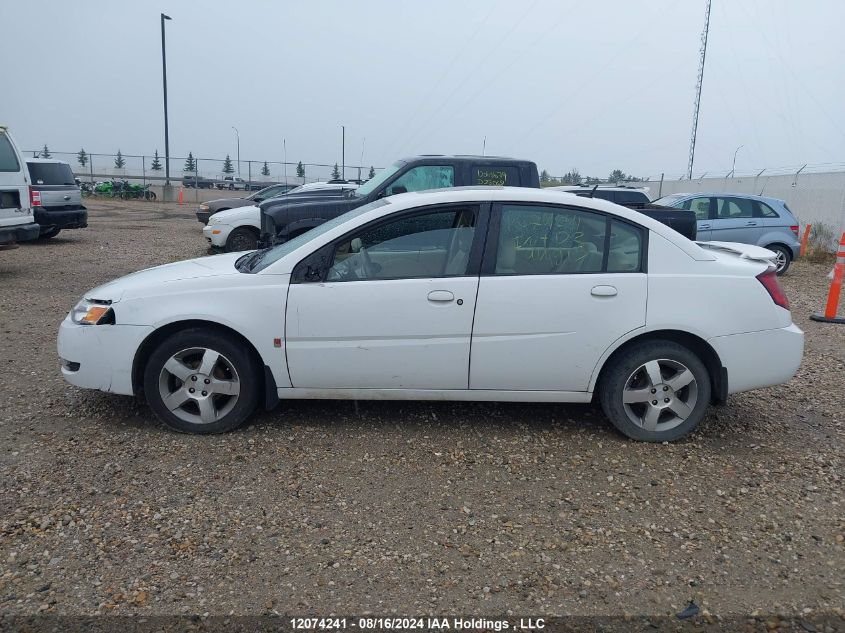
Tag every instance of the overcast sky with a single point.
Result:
(592, 84)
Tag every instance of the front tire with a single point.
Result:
(202, 381)
(241, 239)
(784, 257)
(656, 391)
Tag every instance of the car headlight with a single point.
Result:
(92, 313)
(203, 207)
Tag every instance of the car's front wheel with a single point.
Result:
(655, 391)
(241, 239)
(202, 381)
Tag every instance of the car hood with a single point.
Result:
(231, 215)
(229, 203)
(318, 207)
(213, 266)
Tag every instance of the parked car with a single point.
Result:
(734, 217)
(238, 229)
(560, 298)
(631, 197)
(197, 182)
(232, 183)
(16, 220)
(56, 197)
(207, 209)
(284, 219)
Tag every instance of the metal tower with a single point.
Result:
(698, 81)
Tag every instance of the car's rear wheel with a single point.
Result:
(784, 257)
(656, 391)
(46, 234)
(201, 381)
(241, 239)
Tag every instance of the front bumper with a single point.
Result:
(760, 359)
(19, 233)
(100, 356)
(202, 216)
(217, 234)
(62, 219)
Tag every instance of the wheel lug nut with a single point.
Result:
(205, 393)
(654, 402)
(191, 390)
(665, 388)
(666, 400)
(207, 381)
(194, 378)
(654, 391)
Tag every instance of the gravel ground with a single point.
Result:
(408, 508)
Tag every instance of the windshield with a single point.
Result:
(275, 253)
(669, 201)
(376, 181)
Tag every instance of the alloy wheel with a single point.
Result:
(199, 385)
(660, 394)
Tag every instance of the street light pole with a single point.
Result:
(343, 152)
(164, 81)
(239, 149)
(733, 167)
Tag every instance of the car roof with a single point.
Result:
(46, 160)
(722, 194)
(464, 158)
(599, 188)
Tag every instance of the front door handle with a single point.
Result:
(603, 291)
(704, 226)
(750, 224)
(440, 296)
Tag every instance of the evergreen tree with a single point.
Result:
(265, 171)
(118, 160)
(300, 170)
(82, 157)
(617, 175)
(45, 153)
(335, 172)
(372, 172)
(544, 176)
(156, 166)
(190, 163)
(227, 166)
(572, 177)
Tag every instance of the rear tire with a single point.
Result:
(202, 381)
(655, 391)
(242, 239)
(784, 258)
(46, 234)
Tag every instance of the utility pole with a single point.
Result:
(698, 83)
(343, 151)
(164, 80)
(239, 149)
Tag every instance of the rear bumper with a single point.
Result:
(19, 233)
(760, 359)
(62, 219)
(100, 356)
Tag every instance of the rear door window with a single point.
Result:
(50, 174)
(507, 176)
(731, 208)
(8, 158)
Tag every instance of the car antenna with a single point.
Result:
(593, 190)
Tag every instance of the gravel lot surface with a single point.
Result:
(407, 508)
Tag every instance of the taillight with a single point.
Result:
(34, 197)
(794, 229)
(771, 283)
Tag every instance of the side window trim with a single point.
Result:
(491, 245)
(482, 211)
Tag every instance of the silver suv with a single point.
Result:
(735, 217)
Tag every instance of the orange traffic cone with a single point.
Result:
(181, 195)
(805, 239)
(830, 308)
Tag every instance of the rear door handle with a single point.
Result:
(704, 226)
(750, 224)
(603, 291)
(440, 296)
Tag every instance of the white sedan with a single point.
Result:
(498, 294)
(234, 229)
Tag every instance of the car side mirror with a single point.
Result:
(398, 189)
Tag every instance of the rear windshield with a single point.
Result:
(8, 159)
(50, 174)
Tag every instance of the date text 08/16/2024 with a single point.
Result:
(411, 623)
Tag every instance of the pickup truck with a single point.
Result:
(233, 183)
(283, 219)
(17, 223)
(56, 198)
(198, 182)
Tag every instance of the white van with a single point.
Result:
(17, 223)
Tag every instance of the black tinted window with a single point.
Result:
(8, 160)
(50, 174)
(631, 197)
